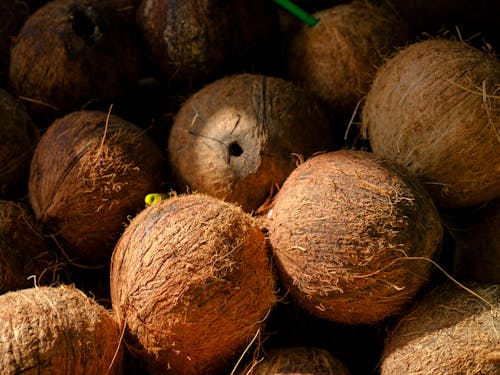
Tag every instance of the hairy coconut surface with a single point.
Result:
(26, 257)
(59, 331)
(435, 108)
(298, 361)
(449, 331)
(19, 138)
(345, 230)
(82, 53)
(192, 284)
(337, 58)
(240, 136)
(88, 174)
(194, 42)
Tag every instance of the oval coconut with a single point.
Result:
(448, 331)
(76, 46)
(19, 138)
(435, 108)
(58, 331)
(236, 138)
(26, 257)
(337, 58)
(191, 43)
(192, 283)
(345, 230)
(88, 174)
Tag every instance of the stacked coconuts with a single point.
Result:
(217, 187)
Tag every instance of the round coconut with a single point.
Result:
(477, 251)
(350, 231)
(192, 283)
(298, 361)
(435, 109)
(448, 331)
(337, 58)
(76, 46)
(59, 331)
(191, 43)
(19, 138)
(88, 174)
(240, 136)
(26, 257)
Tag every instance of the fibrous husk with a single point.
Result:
(59, 331)
(19, 138)
(240, 136)
(192, 284)
(435, 109)
(350, 231)
(337, 58)
(88, 174)
(448, 331)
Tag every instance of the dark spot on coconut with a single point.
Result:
(86, 24)
(235, 149)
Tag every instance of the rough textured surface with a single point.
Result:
(449, 331)
(240, 136)
(435, 109)
(58, 331)
(192, 283)
(341, 227)
(87, 176)
(337, 58)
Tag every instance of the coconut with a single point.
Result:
(338, 57)
(59, 331)
(241, 135)
(19, 138)
(192, 284)
(435, 109)
(26, 257)
(350, 232)
(88, 174)
(191, 43)
(448, 331)
(76, 46)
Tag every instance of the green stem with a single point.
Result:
(298, 12)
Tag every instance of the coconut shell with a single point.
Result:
(240, 136)
(87, 176)
(448, 331)
(19, 138)
(434, 108)
(192, 43)
(192, 283)
(337, 58)
(59, 331)
(341, 229)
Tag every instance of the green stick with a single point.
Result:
(298, 12)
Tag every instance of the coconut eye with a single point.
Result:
(85, 25)
(235, 149)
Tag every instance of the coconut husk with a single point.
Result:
(57, 330)
(450, 330)
(191, 283)
(352, 235)
(434, 108)
(90, 173)
(240, 136)
(337, 58)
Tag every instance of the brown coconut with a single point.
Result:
(191, 43)
(349, 230)
(192, 284)
(82, 51)
(240, 136)
(435, 109)
(19, 138)
(449, 331)
(88, 174)
(300, 360)
(58, 331)
(337, 58)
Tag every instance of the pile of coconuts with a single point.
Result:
(234, 187)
